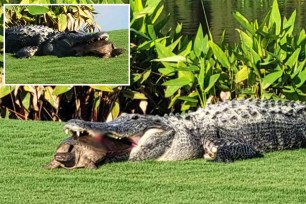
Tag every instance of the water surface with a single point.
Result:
(219, 14)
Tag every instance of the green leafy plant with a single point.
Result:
(59, 17)
(269, 62)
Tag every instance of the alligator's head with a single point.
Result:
(140, 137)
(102, 48)
(63, 43)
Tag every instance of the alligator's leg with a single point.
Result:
(185, 146)
(27, 52)
(152, 146)
(229, 150)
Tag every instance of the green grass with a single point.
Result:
(279, 177)
(71, 70)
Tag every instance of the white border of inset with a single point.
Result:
(129, 40)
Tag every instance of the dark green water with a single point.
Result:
(190, 13)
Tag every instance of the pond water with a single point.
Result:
(219, 14)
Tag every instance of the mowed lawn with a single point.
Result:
(71, 70)
(279, 177)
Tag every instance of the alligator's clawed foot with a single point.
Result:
(210, 153)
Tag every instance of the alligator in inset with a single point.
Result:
(29, 40)
(221, 132)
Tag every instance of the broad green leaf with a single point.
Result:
(115, 110)
(298, 69)
(178, 28)
(140, 34)
(220, 55)
(173, 100)
(271, 78)
(187, 50)
(170, 90)
(138, 95)
(37, 10)
(191, 68)
(201, 76)
(242, 74)
(149, 44)
(294, 58)
(5, 90)
(173, 45)
(138, 5)
(177, 82)
(186, 74)
(275, 18)
(151, 32)
(290, 23)
(104, 88)
(157, 14)
(212, 81)
(176, 58)
(134, 94)
(50, 97)
(167, 70)
(26, 100)
(244, 22)
(198, 42)
(302, 78)
(163, 51)
(145, 75)
(62, 22)
(61, 89)
(29, 89)
(190, 99)
(302, 37)
(245, 39)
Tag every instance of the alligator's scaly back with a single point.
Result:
(251, 127)
(18, 37)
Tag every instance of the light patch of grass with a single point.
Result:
(71, 70)
(26, 146)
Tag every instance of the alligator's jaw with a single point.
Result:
(114, 143)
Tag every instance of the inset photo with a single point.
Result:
(67, 44)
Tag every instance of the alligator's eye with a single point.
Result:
(157, 120)
(134, 117)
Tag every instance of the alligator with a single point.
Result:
(222, 132)
(29, 40)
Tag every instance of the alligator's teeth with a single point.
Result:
(78, 133)
(67, 131)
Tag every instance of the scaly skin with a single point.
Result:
(29, 40)
(222, 132)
